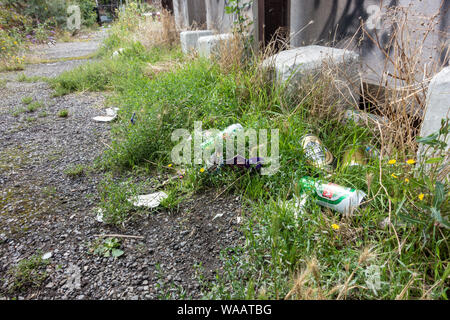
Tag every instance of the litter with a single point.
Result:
(228, 133)
(316, 153)
(219, 215)
(354, 157)
(152, 200)
(47, 255)
(117, 52)
(333, 196)
(363, 117)
(111, 115)
(99, 215)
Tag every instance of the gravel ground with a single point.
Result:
(44, 210)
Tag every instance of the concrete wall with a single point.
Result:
(189, 13)
(337, 21)
(221, 22)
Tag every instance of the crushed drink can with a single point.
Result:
(354, 157)
(316, 153)
(333, 196)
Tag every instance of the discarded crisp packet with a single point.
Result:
(316, 153)
(242, 162)
(152, 200)
(238, 161)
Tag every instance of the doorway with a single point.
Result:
(273, 20)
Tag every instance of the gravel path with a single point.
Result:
(43, 210)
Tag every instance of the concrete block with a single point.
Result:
(438, 108)
(189, 39)
(209, 45)
(295, 65)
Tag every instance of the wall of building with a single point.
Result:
(337, 22)
(189, 13)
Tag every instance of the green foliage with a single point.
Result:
(109, 247)
(27, 100)
(114, 203)
(75, 171)
(88, 15)
(64, 113)
(29, 273)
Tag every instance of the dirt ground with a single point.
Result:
(43, 210)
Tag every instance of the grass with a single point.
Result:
(27, 100)
(318, 254)
(32, 107)
(278, 245)
(76, 171)
(64, 113)
(29, 273)
(24, 78)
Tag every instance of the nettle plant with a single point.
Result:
(109, 247)
(242, 22)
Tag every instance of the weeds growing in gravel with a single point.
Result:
(63, 113)
(109, 247)
(29, 273)
(395, 246)
(76, 171)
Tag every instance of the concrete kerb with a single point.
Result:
(291, 67)
(209, 45)
(189, 39)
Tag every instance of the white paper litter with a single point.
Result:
(47, 255)
(111, 115)
(149, 200)
(99, 216)
(219, 215)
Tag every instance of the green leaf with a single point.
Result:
(116, 253)
(434, 160)
(446, 273)
(411, 220)
(436, 214)
(439, 194)
(430, 140)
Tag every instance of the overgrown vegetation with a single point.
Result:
(29, 273)
(395, 246)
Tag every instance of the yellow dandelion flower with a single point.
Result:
(421, 196)
(406, 180)
(394, 176)
(15, 42)
(392, 161)
(335, 226)
(411, 161)
(170, 165)
(202, 170)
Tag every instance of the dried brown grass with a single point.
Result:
(400, 95)
(153, 33)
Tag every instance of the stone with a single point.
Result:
(437, 108)
(299, 64)
(209, 45)
(189, 39)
